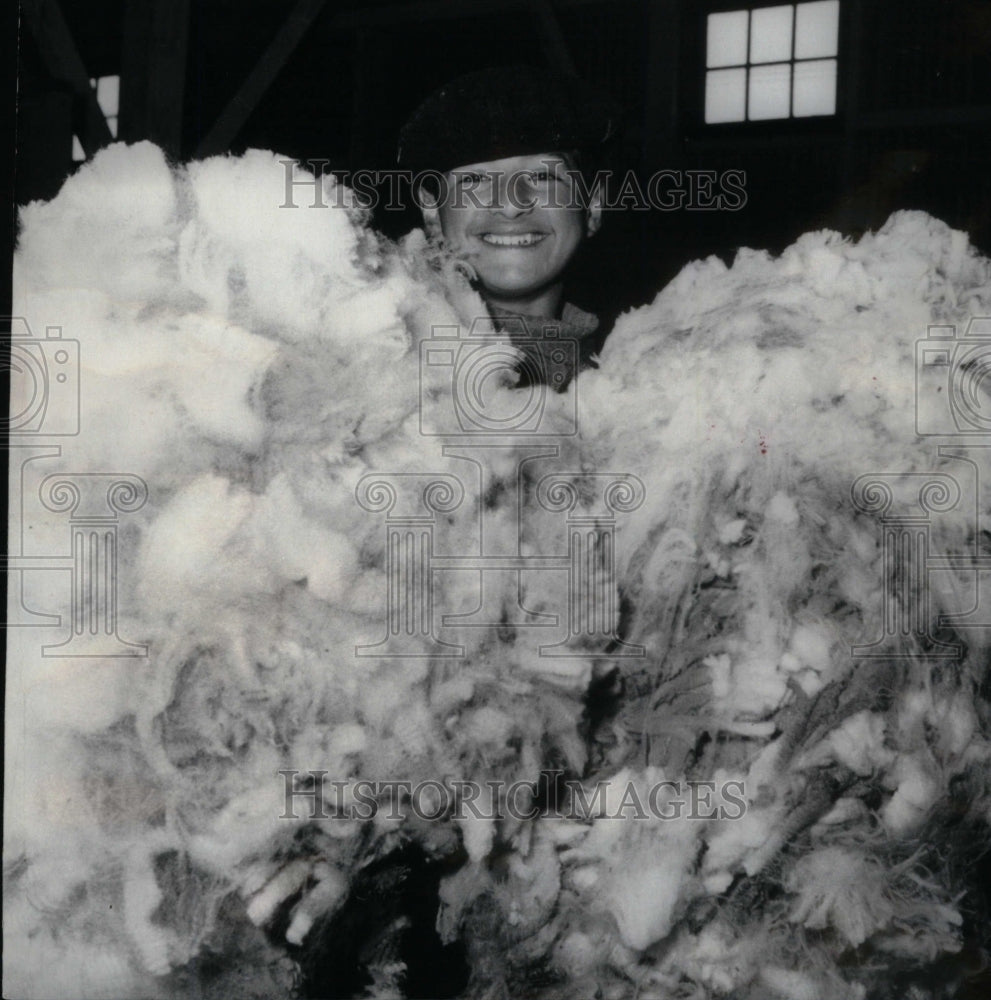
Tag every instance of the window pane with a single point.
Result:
(725, 95)
(770, 92)
(726, 39)
(107, 92)
(817, 29)
(770, 34)
(815, 88)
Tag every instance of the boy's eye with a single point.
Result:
(471, 179)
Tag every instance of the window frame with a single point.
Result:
(695, 58)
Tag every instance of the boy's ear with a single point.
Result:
(593, 218)
(428, 202)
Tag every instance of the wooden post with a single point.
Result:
(44, 144)
(661, 110)
(58, 50)
(360, 96)
(850, 67)
(153, 72)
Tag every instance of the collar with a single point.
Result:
(574, 323)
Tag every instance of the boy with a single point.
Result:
(514, 151)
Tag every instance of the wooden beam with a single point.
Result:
(239, 109)
(556, 47)
(153, 72)
(917, 118)
(443, 10)
(58, 50)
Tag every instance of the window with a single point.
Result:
(772, 62)
(108, 97)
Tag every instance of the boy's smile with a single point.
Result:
(527, 239)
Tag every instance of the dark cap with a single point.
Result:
(506, 111)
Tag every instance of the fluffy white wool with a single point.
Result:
(252, 364)
(752, 399)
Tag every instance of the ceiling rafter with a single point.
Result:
(257, 82)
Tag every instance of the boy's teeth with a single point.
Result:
(503, 240)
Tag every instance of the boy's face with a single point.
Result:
(517, 221)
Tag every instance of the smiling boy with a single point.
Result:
(513, 151)
(521, 230)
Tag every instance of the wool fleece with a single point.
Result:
(249, 535)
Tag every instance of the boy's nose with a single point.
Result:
(514, 194)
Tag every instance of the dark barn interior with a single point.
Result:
(334, 81)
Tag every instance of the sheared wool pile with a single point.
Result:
(751, 401)
(253, 365)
